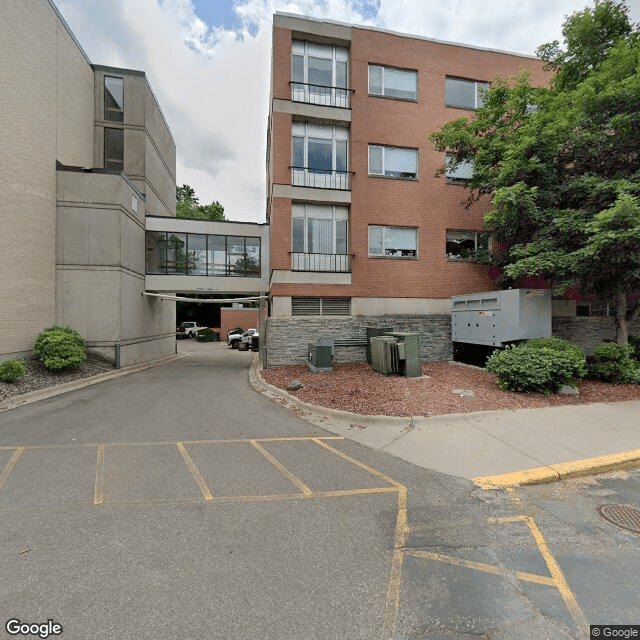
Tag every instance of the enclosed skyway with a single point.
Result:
(202, 256)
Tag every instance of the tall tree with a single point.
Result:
(188, 206)
(562, 164)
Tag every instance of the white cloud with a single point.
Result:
(212, 84)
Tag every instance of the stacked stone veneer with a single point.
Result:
(587, 333)
(288, 338)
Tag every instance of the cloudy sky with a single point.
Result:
(208, 63)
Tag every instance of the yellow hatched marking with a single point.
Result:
(357, 463)
(481, 566)
(195, 472)
(9, 466)
(303, 487)
(98, 494)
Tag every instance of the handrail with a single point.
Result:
(327, 96)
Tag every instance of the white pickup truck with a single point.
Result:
(244, 341)
(187, 330)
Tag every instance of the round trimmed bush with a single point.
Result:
(542, 365)
(12, 370)
(613, 363)
(39, 346)
(207, 335)
(59, 348)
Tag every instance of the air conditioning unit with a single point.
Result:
(384, 355)
(319, 358)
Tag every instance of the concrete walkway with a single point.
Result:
(492, 448)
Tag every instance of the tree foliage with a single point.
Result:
(188, 206)
(562, 163)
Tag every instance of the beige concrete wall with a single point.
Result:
(46, 100)
(100, 270)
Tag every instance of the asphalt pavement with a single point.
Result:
(177, 502)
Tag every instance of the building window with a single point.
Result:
(321, 306)
(400, 84)
(113, 99)
(462, 172)
(114, 149)
(393, 162)
(319, 156)
(319, 74)
(468, 246)
(202, 254)
(393, 242)
(466, 94)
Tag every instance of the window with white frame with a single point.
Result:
(319, 155)
(393, 242)
(319, 228)
(458, 172)
(319, 74)
(400, 84)
(466, 94)
(393, 162)
(467, 246)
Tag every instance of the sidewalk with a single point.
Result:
(492, 448)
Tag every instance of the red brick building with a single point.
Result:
(361, 232)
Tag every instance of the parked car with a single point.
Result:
(187, 329)
(250, 340)
(237, 340)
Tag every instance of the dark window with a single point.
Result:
(113, 99)
(114, 149)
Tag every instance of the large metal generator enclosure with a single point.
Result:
(494, 318)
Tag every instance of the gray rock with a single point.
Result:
(294, 385)
(566, 390)
(464, 393)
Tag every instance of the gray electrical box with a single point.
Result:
(495, 318)
(319, 358)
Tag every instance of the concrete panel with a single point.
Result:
(134, 152)
(388, 306)
(88, 236)
(325, 29)
(280, 307)
(309, 277)
(132, 244)
(159, 176)
(147, 350)
(312, 111)
(306, 194)
(89, 301)
(204, 284)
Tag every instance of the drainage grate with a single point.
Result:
(622, 516)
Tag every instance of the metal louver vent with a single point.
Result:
(321, 306)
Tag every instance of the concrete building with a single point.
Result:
(362, 233)
(85, 156)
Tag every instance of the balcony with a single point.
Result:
(321, 178)
(326, 262)
(321, 95)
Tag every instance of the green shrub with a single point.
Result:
(634, 343)
(12, 370)
(207, 335)
(61, 350)
(542, 365)
(39, 346)
(236, 330)
(613, 363)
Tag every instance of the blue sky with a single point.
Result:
(208, 62)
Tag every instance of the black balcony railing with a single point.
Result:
(320, 94)
(331, 262)
(321, 178)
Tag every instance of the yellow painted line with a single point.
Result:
(481, 566)
(195, 472)
(12, 463)
(559, 579)
(355, 492)
(563, 470)
(303, 487)
(507, 520)
(98, 494)
(395, 579)
(357, 463)
(172, 443)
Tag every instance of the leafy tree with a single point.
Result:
(188, 206)
(562, 163)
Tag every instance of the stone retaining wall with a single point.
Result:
(287, 338)
(589, 332)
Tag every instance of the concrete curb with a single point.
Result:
(562, 471)
(323, 416)
(50, 392)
